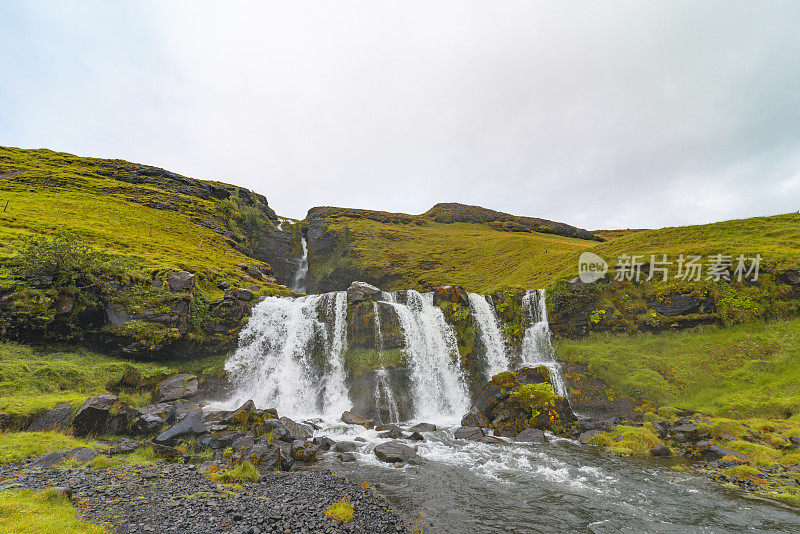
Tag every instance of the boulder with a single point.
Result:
(324, 443)
(660, 451)
(296, 430)
(427, 427)
(531, 435)
(393, 452)
(416, 436)
(81, 454)
(222, 439)
(247, 440)
(472, 433)
(493, 440)
(304, 451)
(254, 271)
(661, 428)
(392, 433)
(180, 281)
(243, 293)
(267, 457)
(166, 452)
(361, 291)
(348, 457)
(162, 410)
(181, 408)
(352, 419)
(710, 452)
(59, 419)
(48, 460)
(189, 425)
(148, 424)
(103, 414)
(124, 446)
(345, 446)
(177, 387)
(453, 294)
(475, 418)
(208, 467)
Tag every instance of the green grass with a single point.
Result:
(60, 193)
(243, 471)
(342, 511)
(748, 370)
(44, 512)
(18, 446)
(34, 381)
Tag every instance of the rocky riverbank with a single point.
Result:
(176, 498)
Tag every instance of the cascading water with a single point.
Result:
(273, 365)
(335, 390)
(489, 330)
(384, 388)
(536, 346)
(299, 282)
(431, 348)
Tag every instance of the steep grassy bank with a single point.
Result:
(736, 388)
(88, 247)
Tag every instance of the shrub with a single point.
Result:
(342, 511)
(60, 260)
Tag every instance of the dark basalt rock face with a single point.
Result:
(103, 414)
(368, 405)
(59, 419)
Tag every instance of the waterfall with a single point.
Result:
(273, 365)
(299, 282)
(335, 389)
(432, 352)
(536, 346)
(490, 335)
(382, 384)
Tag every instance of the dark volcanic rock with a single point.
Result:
(180, 281)
(393, 452)
(190, 425)
(361, 291)
(531, 435)
(452, 294)
(710, 452)
(58, 419)
(177, 387)
(103, 414)
(660, 450)
(352, 419)
(473, 433)
(296, 430)
(425, 427)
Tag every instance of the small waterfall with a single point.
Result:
(489, 331)
(299, 282)
(432, 351)
(273, 365)
(335, 389)
(536, 346)
(382, 385)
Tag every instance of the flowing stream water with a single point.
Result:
(291, 356)
(300, 280)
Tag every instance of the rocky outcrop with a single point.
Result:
(361, 291)
(103, 414)
(453, 294)
(59, 419)
(514, 401)
(395, 452)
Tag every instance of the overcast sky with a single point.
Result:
(600, 114)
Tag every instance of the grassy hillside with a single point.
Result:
(87, 246)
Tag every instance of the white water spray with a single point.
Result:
(536, 346)
(432, 351)
(489, 331)
(299, 282)
(335, 392)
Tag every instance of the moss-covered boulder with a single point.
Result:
(515, 400)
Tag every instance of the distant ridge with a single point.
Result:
(453, 212)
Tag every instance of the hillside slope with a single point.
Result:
(89, 249)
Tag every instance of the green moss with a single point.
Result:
(359, 361)
(627, 440)
(534, 397)
(243, 472)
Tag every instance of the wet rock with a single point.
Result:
(296, 430)
(392, 433)
(345, 446)
(180, 386)
(266, 457)
(166, 452)
(586, 436)
(324, 443)
(180, 281)
(710, 452)
(531, 435)
(182, 407)
(393, 451)
(493, 440)
(472, 433)
(427, 427)
(59, 419)
(361, 291)
(660, 451)
(352, 419)
(347, 457)
(189, 425)
(475, 418)
(416, 436)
